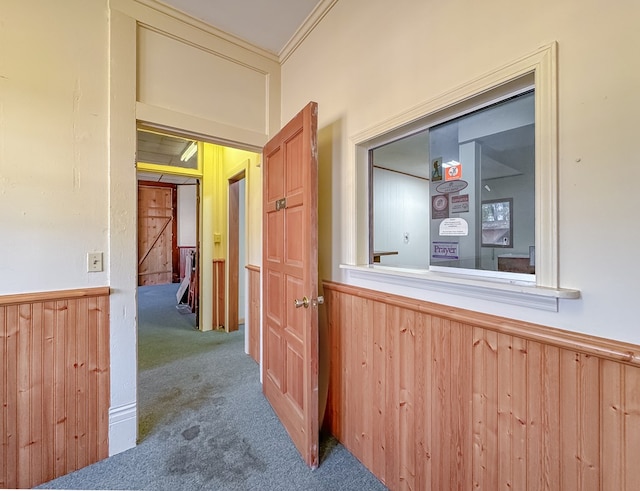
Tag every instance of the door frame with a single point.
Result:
(233, 252)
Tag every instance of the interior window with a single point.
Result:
(459, 195)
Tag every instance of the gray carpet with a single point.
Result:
(204, 423)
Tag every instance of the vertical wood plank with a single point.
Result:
(632, 427)
(60, 403)
(479, 411)
(552, 395)
(535, 442)
(366, 377)
(70, 384)
(3, 390)
(589, 420)
(11, 403)
(354, 358)
(84, 419)
(392, 471)
(92, 376)
(570, 418)
(406, 416)
(519, 426)
(423, 378)
(491, 392)
(612, 427)
(344, 410)
(48, 415)
(24, 394)
(462, 397)
(36, 402)
(103, 378)
(505, 434)
(335, 367)
(330, 301)
(441, 404)
(379, 391)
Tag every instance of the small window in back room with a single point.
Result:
(160, 149)
(459, 195)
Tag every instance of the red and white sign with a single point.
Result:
(452, 170)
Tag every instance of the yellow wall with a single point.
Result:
(219, 165)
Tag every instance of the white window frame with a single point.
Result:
(541, 67)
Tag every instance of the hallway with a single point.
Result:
(204, 423)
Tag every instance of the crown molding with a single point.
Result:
(305, 28)
(180, 16)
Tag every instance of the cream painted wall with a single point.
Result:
(369, 66)
(53, 144)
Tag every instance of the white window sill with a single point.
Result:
(521, 293)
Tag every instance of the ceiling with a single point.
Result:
(267, 24)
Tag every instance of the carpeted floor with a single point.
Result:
(204, 423)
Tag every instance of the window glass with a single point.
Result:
(160, 149)
(459, 194)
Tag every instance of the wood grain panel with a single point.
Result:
(55, 389)
(217, 294)
(456, 400)
(253, 322)
(157, 239)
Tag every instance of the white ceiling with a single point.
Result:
(268, 24)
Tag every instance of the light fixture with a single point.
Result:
(189, 151)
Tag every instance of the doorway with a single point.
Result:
(237, 253)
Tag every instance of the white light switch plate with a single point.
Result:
(94, 262)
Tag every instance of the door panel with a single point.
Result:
(290, 272)
(155, 235)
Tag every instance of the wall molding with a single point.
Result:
(123, 427)
(608, 349)
(50, 296)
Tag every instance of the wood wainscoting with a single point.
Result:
(54, 384)
(217, 294)
(431, 397)
(253, 322)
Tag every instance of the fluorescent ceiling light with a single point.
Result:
(189, 151)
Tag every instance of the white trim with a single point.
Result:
(123, 427)
(505, 291)
(152, 11)
(309, 24)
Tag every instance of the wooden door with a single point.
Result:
(290, 273)
(155, 234)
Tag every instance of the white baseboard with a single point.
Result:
(123, 428)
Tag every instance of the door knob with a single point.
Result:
(305, 302)
(301, 303)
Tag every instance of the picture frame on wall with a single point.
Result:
(497, 222)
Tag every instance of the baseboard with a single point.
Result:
(123, 428)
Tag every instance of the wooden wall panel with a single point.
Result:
(217, 294)
(158, 255)
(431, 397)
(253, 322)
(54, 356)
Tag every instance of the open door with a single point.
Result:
(290, 279)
